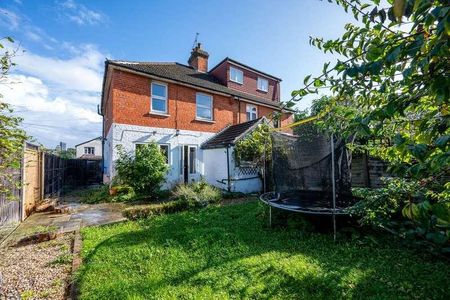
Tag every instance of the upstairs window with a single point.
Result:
(89, 150)
(263, 84)
(252, 112)
(159, 98)
(236, 75)
(204, 107)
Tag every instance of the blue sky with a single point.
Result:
(56, 83)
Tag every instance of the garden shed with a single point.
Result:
(221, 168)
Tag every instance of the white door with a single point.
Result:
(188, 163)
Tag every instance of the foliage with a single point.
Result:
(391, 91)
(428, 219)
(11, 136)
(155, 209)
(70, 153)
(227, 252)
(101, 194)
(145, 171)
(197, 194)
(255, 147)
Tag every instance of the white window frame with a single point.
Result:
(168, 152)
(202, 106)
(86, 150)
(248, 110)
(158, 97)
(260, 79)
(195, 160)
(237, 71)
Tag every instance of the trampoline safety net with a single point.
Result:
(302, 166)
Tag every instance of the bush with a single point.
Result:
(147, 211)
(197, 194)
(119, 193)
(94, 195)
(407, 208)
(145, 172)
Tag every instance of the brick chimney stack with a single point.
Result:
(199, 59)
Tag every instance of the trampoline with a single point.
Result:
(311, 174)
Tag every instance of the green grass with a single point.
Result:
(228, 252)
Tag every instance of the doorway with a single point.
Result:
(188, 163)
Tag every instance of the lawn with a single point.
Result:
(227, 252)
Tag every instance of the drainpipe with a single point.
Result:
(103, 140)
(228, 169)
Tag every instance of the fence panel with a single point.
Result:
(54, 173)
(83, 172)
(10, 208)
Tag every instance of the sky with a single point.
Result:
(61, 47)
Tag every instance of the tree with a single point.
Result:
(11, 136)
(391, 89)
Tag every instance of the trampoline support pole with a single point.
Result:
(333, 187)
(270, 216)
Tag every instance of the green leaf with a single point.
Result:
(441, 211)
(305, 81)
(10, 39)
(442, 141)
(318, 83)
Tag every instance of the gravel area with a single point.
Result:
(36, 271)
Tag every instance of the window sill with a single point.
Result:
(262, 91)
(203, 120)
(159, 114)
(241, 83)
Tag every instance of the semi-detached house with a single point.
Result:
(195, 114)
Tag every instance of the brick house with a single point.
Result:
(181, 107)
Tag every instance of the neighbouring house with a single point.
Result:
(195, 114)
(91, 149)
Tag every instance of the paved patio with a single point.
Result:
(78, 215)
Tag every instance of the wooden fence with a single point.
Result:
(43, 175)
(10, 210)
(54, 174)
(367, 171)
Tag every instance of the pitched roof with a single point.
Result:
(187, 74)
(245, 66)
(99, 137)
(229, 135)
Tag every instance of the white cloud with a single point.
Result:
(9, 19)
(58, 97)
(80, 14)
(81, 72)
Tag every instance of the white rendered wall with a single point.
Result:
(215, 161)
(130, 135)
(97, 144)
(211, 163)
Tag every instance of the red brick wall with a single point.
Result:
(250, 84)
(130, 95)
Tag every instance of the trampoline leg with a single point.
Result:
(270, 216)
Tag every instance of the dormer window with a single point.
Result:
(236, 75)
(263, 84)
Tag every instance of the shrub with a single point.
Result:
(197, 194)
(146, 211)
(94, 195)
(145, 172)
(407, 208)
(119, 193)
